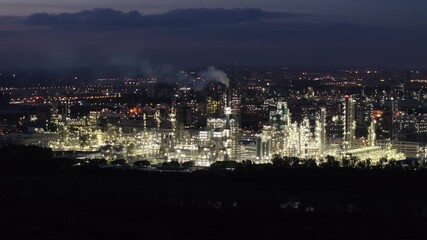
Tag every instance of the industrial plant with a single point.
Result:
(171, 135)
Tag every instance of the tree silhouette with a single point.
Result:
(309, 163)
(171, 164)
(142, 163)
(119, 162)
(26, 157)
(224, 164)
(330, 162)
(278, 161)
(188, 164)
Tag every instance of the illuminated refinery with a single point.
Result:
(218, 141)
(208, 118)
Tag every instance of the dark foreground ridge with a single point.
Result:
(251, 202)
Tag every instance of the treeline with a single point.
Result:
(34, 157)
(26, 157)
(284, 199)
(347, 162)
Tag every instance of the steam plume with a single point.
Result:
(217, 75)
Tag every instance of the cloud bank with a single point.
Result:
(204, 37)
(107, 19)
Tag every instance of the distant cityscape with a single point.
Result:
(219, 114)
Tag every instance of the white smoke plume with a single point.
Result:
(213, 74)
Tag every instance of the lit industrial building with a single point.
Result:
(281, 137)
(218, 141)
(221, 138)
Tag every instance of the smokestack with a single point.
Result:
(228, 97)
(227, 108)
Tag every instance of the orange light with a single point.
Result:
(377, 113)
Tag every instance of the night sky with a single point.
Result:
(62, 33)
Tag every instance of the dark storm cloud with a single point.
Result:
(223, 26)
(108, 19)
(7, 33)
(366, 11)
(286, 32)
(204, 37)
